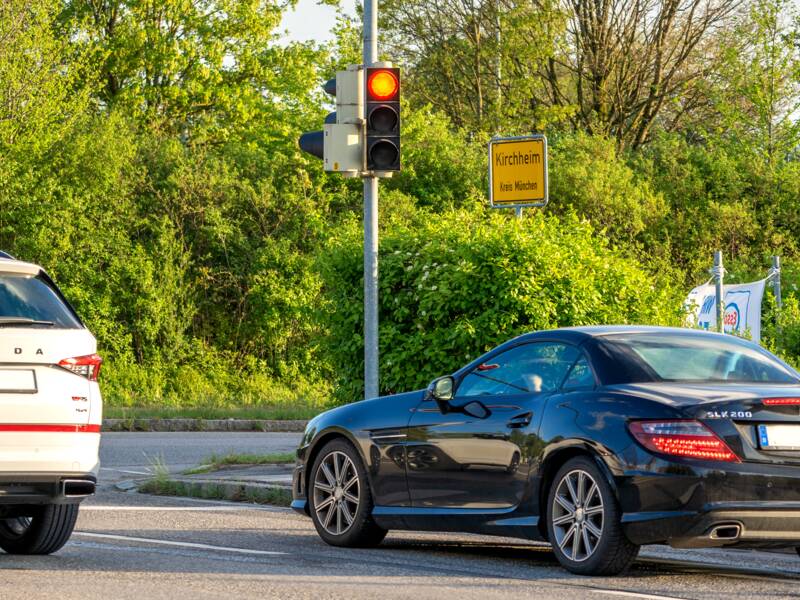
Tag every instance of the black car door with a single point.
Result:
(455, 460)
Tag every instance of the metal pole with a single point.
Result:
(499, 65)
(719, 274)
(518, 211)
(776, 280)
(371, 386)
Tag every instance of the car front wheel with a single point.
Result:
(43, 533)
(340, 498)
(583, 520)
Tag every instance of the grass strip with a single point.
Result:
(216, 462)
(164, 486)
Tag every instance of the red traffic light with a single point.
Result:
(382, 84)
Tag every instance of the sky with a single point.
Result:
(310, 21)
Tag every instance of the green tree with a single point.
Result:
(759, 92)
(207, 70)
(475, 61)
(45, 86)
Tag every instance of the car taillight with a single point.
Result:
(86, 366)
(781, 401)
(688, 439)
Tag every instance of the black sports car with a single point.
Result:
(596, 439)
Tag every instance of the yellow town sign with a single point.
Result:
(518, 171)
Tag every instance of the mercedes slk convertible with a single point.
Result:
(595, 439)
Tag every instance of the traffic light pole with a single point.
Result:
(370, 229)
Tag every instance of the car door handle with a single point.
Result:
(522, 420)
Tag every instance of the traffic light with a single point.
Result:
(382, 119)
(340, 144)
(363, 135)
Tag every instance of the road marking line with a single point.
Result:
(125, 538)
(634, 595)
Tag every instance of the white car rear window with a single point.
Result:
(27, 300)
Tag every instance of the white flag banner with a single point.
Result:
(742, 307)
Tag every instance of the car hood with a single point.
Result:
(377, 411)
(375, 403)
(694, 394)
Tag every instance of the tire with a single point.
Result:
(601, 547)
(44, 533)
(340, 498)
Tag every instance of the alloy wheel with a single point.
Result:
(336, 493)
(577, 515)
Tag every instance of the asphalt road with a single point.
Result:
(131, 546)
(134, 454)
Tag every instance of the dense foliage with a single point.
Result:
(456, 284)
(148, 159)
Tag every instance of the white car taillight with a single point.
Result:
(86, 366)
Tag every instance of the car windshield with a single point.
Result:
(697, 358)
(28, 301)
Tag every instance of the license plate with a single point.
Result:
(17, 381)
(779, 437)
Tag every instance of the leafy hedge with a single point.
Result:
(455, 284)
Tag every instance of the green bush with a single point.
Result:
(213, 386)
(456, 284)
(441, 168)
(780, 329)
(589, 176)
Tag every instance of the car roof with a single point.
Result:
(8, 264)
(582, 333)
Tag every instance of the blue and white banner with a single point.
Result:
(742, 308)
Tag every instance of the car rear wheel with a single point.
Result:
(44, 533)
(583, 521)
(340, 498)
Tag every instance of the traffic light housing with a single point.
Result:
(340, 144)
(382, 115)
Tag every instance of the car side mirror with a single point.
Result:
(442, 391)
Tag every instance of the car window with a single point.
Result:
(580, 377)
(29, 297)
(697, 358)
(529, 368)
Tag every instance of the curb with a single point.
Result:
(231, 484)
(231, 491)
(170, 425)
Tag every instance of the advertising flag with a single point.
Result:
(742, 308)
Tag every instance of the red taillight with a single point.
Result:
(689, 439)
(781, 401)
(86, 366)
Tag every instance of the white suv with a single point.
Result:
(50, 411)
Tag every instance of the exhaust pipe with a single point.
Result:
(77, 488)
(726, 532)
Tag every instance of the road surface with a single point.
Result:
(132, 546)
